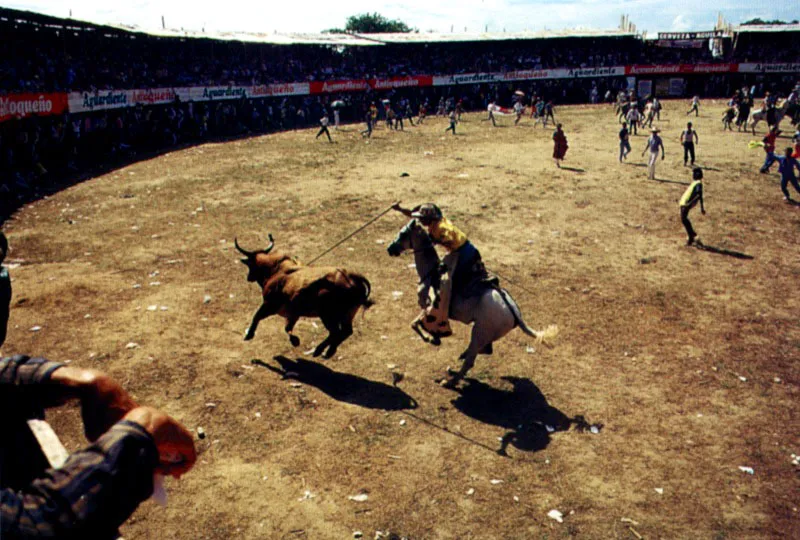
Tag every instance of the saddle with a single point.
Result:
(474, 279)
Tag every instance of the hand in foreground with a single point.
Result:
(175, 445)
(103, 401)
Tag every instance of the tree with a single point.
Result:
(760, 21)
(371, 23)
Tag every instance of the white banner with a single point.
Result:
(98, 101)
(788, 67)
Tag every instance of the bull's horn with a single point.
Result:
(270, 246)
(244, 251)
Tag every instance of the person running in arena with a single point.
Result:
(688, 139)
(633, 118)
(490, 108)
(368, 119)
(690, 198)
(549, 112)
(654, 142)
(519, 108)
(727, 118)
(423, 111)
(624, 142)
(323, 122)
(453, 121)
(786, 166)
(560, 146)
(695, 106)
(769, 149)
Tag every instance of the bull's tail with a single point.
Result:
(546, 336)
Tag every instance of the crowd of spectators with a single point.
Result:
(36, 152)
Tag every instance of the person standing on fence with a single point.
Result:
(690, 198)
(654, 142)
(323, 122)
(688, 139)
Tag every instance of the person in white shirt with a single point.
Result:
(336, 119)
(695, 106)
(323, 122)
(654, 142)
(633, 118)
(688, 138)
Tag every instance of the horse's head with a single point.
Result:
(407, 238)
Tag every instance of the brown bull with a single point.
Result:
(292, 290)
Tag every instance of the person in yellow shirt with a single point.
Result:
(461, 257)
(692, 195)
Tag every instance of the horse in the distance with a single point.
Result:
(491, 308)
(762, 114)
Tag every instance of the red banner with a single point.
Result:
(667, 69)
(328, 87)
(22, 105)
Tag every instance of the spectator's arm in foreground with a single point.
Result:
(99, 487)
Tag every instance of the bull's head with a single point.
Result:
(254, 269)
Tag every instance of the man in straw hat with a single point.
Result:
(654, 142)
(461, 259)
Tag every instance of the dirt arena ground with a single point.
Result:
(686, 359)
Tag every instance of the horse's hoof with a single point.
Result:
(248, 336)
(435, 341)
(295, 341)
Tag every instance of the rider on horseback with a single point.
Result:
(460, 264)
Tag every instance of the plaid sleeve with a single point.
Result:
(95, 491)
(23, 383)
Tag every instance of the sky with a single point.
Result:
(440, 16)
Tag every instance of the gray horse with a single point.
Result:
(493, 310)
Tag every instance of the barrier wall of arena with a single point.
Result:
(23, 105)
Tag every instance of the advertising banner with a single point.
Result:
(23, 105)
(418, 81)
(98, 101)
(788, 67)
(329, 87)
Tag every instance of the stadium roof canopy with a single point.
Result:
(491, 36)
(768, 28)
(344, 40)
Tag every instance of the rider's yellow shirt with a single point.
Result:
(448, 235)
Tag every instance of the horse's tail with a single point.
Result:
(546, 336)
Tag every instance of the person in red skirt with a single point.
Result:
(560, 145)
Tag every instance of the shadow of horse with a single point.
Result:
(523, 411)
(342, 386)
